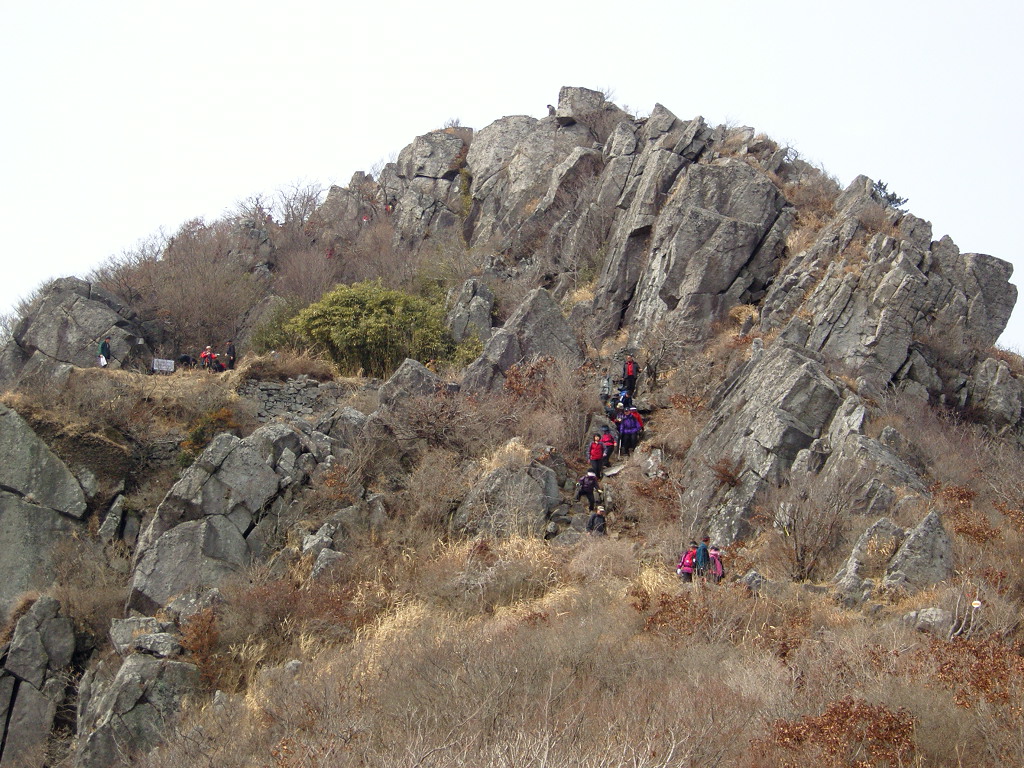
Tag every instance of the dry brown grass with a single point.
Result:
(281, 366)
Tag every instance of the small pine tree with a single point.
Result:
(891, 199)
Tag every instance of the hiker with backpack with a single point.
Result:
(686, 562)
(588, 486)
(629, 373)
(595, 453)
(702, 559)
(716, 570)
(608, 442)
(629, 432)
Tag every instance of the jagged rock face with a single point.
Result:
(879, 294)
(131, 712)
(33, 681)
(216, 518)
(471, 310)
(775, 407)
(536, 329)
(996, 394)
(41, 503)
(65, 326)
(924, 558)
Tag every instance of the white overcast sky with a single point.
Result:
(122, 118)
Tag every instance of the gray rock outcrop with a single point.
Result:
(41, 503)
(412, 378)
(33, 680)
(130, 713)
(509, 500)
(65, 325)
(924, 558)
(215, 519)
(470, 312)
(536, 329)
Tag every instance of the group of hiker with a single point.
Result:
(700, 562)
(211, 361)
(208, 359)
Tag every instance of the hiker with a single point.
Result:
(604, 393)
(702, 561)
(187, 361)
(609, 443)
(229, 353)
(716, 569)
(596, 522)
(614, 411)
(624, 398)
(595, 452)
(587, 486)
(629, 432)
(629, 372)
(638, 417)
(685, 569)
(206, 357)
(103, 354)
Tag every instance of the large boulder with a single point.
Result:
(773, 408)
(33, 680)
(470, 311)
(66, 323)
(925, 557)
(130, 713)
(509, 501)
(217, 518)
(411, 379)
(536, 329)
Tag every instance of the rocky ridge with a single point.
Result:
(686, 223)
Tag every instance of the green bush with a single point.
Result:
(368, 326)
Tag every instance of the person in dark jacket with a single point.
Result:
(103, 353)
(229, 353)
(702, 562)
(587, 486)
(596, 523)
(595, 453)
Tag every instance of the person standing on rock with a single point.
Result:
(103, 354)
(229, 353)
(587, 486)
(629, 372)
(595, 453)
(596, 522)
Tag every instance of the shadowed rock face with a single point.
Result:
(41, 503)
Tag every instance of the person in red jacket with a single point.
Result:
(608, 441)
(629, 372)
(595, 452)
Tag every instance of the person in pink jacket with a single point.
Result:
(687, 562)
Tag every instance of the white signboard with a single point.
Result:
(163, 366)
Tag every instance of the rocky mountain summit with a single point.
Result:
(659, 235)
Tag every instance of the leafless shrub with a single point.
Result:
(807, 519)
